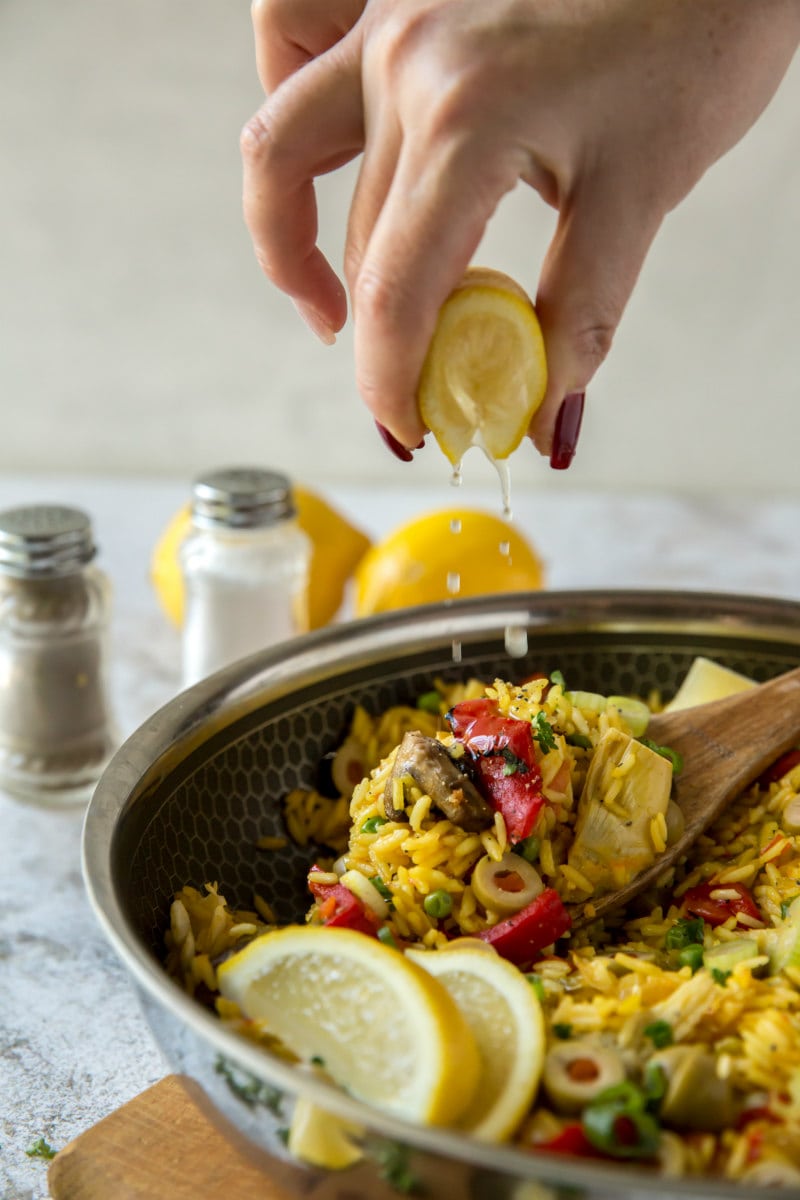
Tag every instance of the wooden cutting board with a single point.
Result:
(169, 1143)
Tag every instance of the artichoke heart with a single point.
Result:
(621, 822)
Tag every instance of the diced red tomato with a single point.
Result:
(503, 762)
(779, 768)
(340, 909)
(571, 1140)
(700, 902)
(520, 938)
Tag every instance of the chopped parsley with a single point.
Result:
(660, 1034)
(691, 956)
(392, 1159)
(720, 977)
(543, 732)
(317, 1060)
(249, 1088)
(562, 1030)
(684, 933)
(41, 1149)
(512, 763)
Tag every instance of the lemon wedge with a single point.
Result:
(505, 1017)
(384, 1028)
(707, 680)
(451, 551)
(322, 1139)
(485, 373)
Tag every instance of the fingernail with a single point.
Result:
(316, 323)
(568, 426)
(397, 448)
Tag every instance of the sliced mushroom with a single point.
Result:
(576, 1071)
(506, 886)
(435, 774)
(696, 1096)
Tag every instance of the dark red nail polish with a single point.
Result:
(397, 448)
(568, 426)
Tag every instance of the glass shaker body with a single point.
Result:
(245, 575)
(56, 728)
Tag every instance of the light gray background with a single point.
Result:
(137, 335)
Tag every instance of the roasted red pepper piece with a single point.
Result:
(571, 1140)
(700, 902)
(779, 768)
(340, 909)
(503, 762)
(520, 938)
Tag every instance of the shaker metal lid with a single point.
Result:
(241, 498)
(44, 539)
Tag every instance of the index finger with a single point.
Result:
(312, 124)
(289, 33)
(431, 223)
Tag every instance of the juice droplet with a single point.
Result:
(456, 651)
(455, 478)
(455, 525)
(453, 583)
(505, 549)
(516, 638)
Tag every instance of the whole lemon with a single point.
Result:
(446, 553)
(336, 547)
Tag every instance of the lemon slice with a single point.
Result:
(485, 373)
(384, 1028)
(502, 1010)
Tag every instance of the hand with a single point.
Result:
(611, 109)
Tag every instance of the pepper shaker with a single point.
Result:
(245, 566)
(56, 728)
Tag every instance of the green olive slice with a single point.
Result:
(506, 886)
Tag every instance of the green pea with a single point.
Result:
(691, 956)
(438, 904)
(430, 702)
(373, 824)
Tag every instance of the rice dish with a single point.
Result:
(673, 1029)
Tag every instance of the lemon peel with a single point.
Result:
(485, 373)
(505, 1017)
(384, 1028)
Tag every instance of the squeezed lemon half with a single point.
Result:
(505, 1017)
(485, 373)
(384, 1028)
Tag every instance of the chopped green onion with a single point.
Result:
(691, 956)
(617, 1122)
(660, 1034)
(578, 739)
(562, 1030)
(528, 848)
(430, 702)
(386, 936)
(373, 824)
(557, 678)
(512, 762)
(537, 986)
(381, 887)
(666, 752)
(684, 933)
(438, 904)
(635, 713)
(720, 977)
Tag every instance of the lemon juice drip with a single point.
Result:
(455, 525)
(516, 640)
(456, 651)
(453, 582)
(505, 549)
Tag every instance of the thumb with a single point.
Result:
(589, 272)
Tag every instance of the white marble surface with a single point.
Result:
(73, 1043)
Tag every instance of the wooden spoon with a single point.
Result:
(725, 746)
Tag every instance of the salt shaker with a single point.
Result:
(245, 565)
(56, 728)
